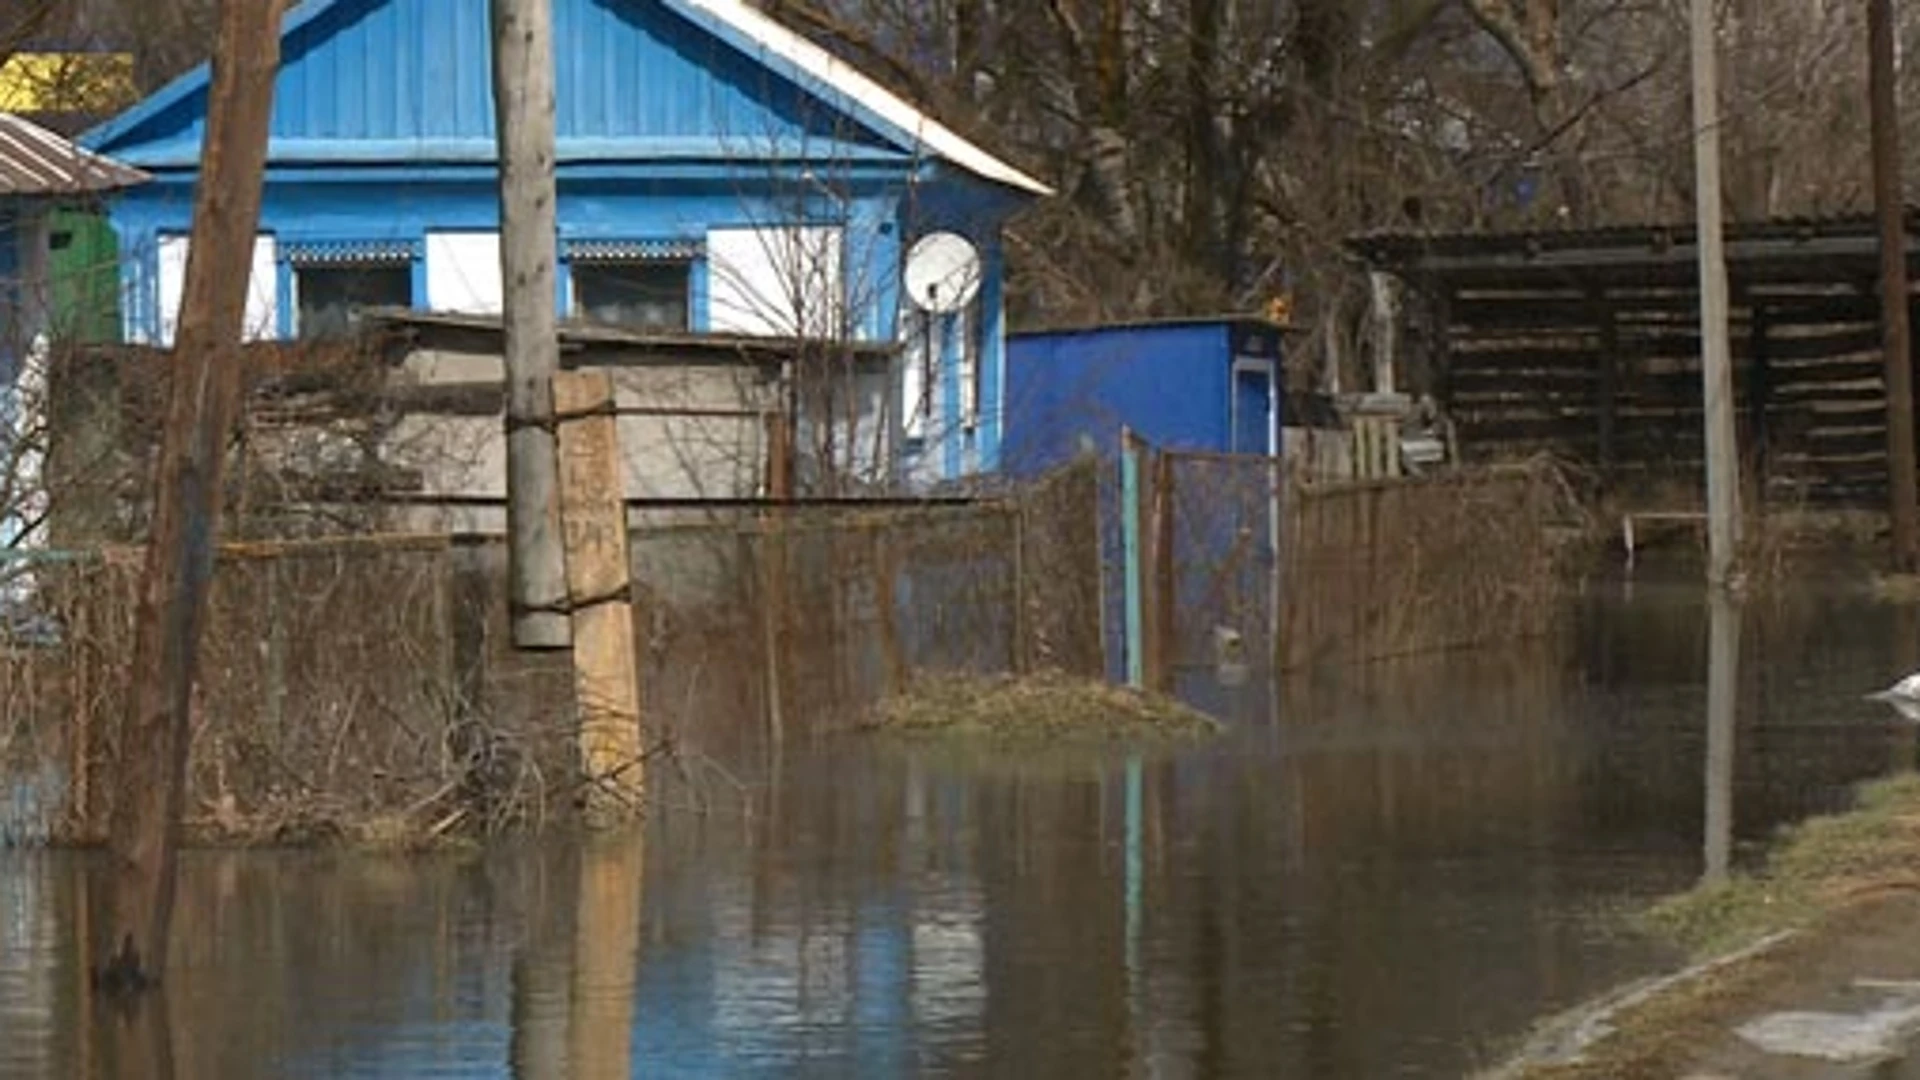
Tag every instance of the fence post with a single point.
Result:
(593, 514)
(1023, 659)
(773, 569)
(884, 568)
(1132, 450)
(81, 819)
(1164, 637)
(1276, 478)
(276, 645)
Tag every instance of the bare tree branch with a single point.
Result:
(24, 25)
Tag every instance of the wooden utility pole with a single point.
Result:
(1890, 196)
(1716, 356)
(523, 111)
(203, 401)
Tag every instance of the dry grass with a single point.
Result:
(1822, 865)
(1397, 569)
(1658, 1037)
(363, 691)
(1835, 887)
(396, 832)
(1895, 588)
(1038, 711)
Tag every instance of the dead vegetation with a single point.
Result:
(1822, 865)
(1049, 709)
(1378, 570)
(1836, 887)
(362, 690)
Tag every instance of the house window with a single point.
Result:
(645, 294)
(329, 295)
(639, 284)
(333, 280)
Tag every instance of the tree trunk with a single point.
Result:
(1204, 180)
(203, 401)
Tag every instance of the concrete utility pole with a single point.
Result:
(523, 110)
(1716, 354)
(1890, 197)
(203, 400)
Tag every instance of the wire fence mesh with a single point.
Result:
(1244, 564)
(370, 682)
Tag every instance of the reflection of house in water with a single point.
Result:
(949, 958)
(799, 953)
(30, 963)
(865, 986)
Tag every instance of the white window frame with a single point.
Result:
(1271, 370)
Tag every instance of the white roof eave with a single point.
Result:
(796, 49)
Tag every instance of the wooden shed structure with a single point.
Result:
(1586, 343)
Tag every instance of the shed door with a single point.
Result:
(1253, 409)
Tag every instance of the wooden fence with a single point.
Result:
(1617, 386)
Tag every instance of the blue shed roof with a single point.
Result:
(1174, 322)
(408, 81)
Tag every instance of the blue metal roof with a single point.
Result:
(409, 81)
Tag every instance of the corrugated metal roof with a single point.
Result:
(1248, 321)
(743, 29)
(36, 162)
(577, 333)
(1390, 246)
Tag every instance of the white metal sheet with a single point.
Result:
(776, 282)
(262, 312)
(463, 273)
(263, 291)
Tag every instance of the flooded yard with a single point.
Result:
(1379, 872)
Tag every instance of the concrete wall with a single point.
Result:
(463, 456)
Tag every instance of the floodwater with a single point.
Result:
(1388, 872)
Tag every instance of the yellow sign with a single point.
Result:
(67, 82)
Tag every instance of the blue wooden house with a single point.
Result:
(1210, 385)
(718, 174)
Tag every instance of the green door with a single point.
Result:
(84, 268)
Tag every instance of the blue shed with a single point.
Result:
(1193, 384)
(718, 173)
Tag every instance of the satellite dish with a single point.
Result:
(943, 273)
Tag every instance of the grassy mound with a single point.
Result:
(1838, 896)
(1048, 709)
(1822, 864)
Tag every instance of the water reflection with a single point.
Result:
(137, 1038)
(1380, 872)
(1723, 704)
(574, 979)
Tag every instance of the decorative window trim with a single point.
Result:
(591, 251)
(329, 253)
